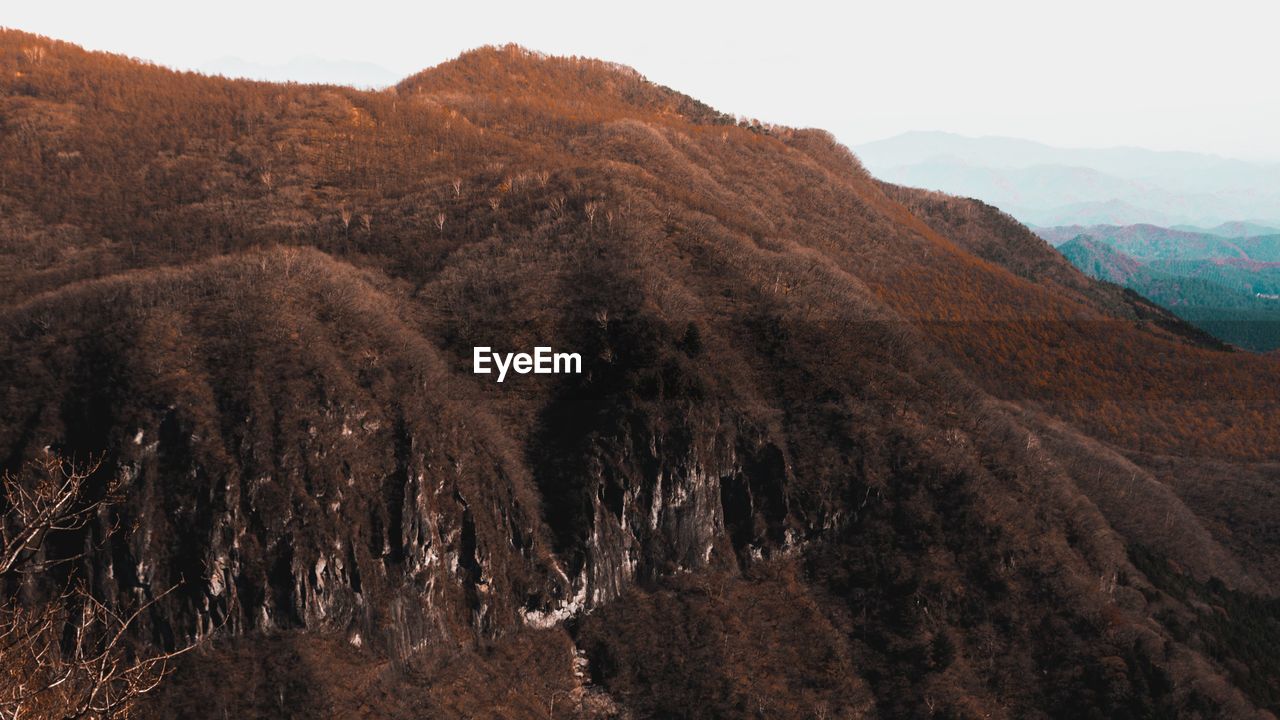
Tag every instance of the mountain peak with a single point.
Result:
(529, 77)
(1100, 260)
(868, 438)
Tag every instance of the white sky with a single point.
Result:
(1166, 75)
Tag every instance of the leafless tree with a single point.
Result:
(67, 657)
(557, 205)
(345, 215)
(34, 54)
(51, 497)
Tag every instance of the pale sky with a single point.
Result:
(1165, 75)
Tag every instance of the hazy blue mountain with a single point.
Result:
(1045, 185)
(1149, 243)
(1094, 212)
(1233, 229)
(1201, 171)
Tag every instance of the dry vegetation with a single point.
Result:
(784, 484)
(64, 654)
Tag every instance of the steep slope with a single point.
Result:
(1100, 261)
(804, 471)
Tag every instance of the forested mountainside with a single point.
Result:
(1155, 243)
(1225, 286)
(839, 449)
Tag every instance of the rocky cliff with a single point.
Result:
(814, 466)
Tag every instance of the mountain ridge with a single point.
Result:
(1225, 286)
(808, 396)
(1049, 186)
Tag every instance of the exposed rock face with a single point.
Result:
(375, 509)
(381, 507)
(781, 486)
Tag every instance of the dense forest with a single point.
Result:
(1235, 298)
(840, 449)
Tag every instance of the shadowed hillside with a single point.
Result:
(839, 449)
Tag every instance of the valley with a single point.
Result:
(1225, 286)
(838, 448)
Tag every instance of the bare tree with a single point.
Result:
(51, 497)
(68, 656)
(34, 54)
(557, 204)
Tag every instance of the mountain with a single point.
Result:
(1210, 282)
(1233, 229)
(316, 70)
(1100, 261)
(1126, 162)
(839, 448)
(1045, 185)
(1151, 242)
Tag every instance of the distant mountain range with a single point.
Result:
(1228, 287)
(1232, 229)
(1151, 242)
(1049, 186)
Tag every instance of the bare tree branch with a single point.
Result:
(68, 657)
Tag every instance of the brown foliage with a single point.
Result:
(69, 655)
(758, 315)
